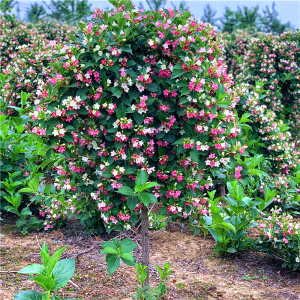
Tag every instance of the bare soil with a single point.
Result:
(199, 272)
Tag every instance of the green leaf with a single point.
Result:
(194, 155)
(26, 190)
(131, 202)
(45, 254)
(144, 198)
(126, 48)
(245, 117)
(142, 178)
(152, 87)
(214, 234)
(113, 264)
(81, 92)
(25, 212)
(231, 250)
(46, 163)
(53, 260)
(153, 199)
(150, 185)
(34, 183)
(125, 190)
(127, 245)
(46, 282)
(109, 244)
(128, 259)
(69, 137)
(63, 272)
(28, 295)
(33, 269)
(247, 201)
(109, 250)
(227, 226)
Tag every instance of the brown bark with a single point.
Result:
(222, 190)
(145, 242)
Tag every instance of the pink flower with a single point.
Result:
(166, 26)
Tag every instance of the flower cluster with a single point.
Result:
(280, 237)
(124, 106)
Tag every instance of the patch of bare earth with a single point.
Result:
(199, 273)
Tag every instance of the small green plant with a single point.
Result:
(230, 221)
(147, 293)
(52, 275)
(116, 251)
(246, 277)
(157, 222)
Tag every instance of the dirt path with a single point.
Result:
(199, 273)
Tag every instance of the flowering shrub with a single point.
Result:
(274, 61)
(26, 51)
(280, 238)
(267, 73)
(138, 91)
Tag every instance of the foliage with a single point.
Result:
(229, 221)
(115, 251)
(270, 22)
(35, 12)
(146, 292)
(250, 19)
(19, 151)
(157, 222)
(266, 69)
(51, 275)
(280, 238)
(119, 107)
(209, 15)
(70, 11)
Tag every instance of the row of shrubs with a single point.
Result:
(131, 91)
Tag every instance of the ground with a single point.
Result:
(199, 272)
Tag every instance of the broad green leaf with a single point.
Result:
(33, 269)
(125, 190)
(46, 282)
(150, 185)
(231, 250)
(144, 198)
(127, 245)
(131, 202)
(53, 260)
(34, 183)
(109, 250)
(28, 295)
(142, 178)
(109, 244)
(113, 264)
(128, 259)
(63, 272)
(45, 254)
(247, 201)
(214, 234)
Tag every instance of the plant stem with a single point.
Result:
(145, 242)
(48, 295)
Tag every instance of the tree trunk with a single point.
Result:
(222, 190)
(145, 242)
